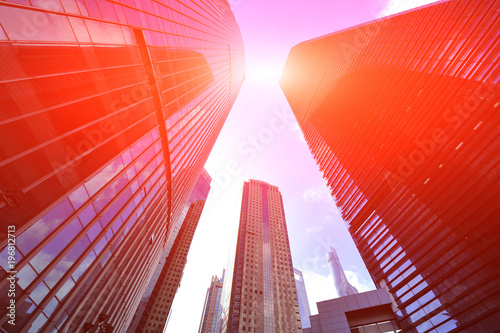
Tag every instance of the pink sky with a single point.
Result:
(261, 140)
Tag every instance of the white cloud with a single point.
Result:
(316, 194)
(326, 220)
(358, 281)
(319, 288)
(315, 228)
(397, 6)
(329, 218)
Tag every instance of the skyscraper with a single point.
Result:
(342, 286)
(263, 294)
(151, 316)
(304, 309)
(108, 113)
(212, 308)
(401, 115)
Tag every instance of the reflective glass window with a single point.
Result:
(49, 309)
(39, 293)
(65, 264)
(56, 28)
(104, 33)
(26, 275)
(38, 323)
(51, 250)
(94, 231)
(44, 226)
(84, 266)
(65, 289)
(78, 197)
(99, 180)
(80, 30)
(87, 215)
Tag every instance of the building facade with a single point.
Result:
(305, 310)
(153, 312)
(108, 113)
(368, 312)
(212, 308)
(263, 293)
(401, 115)
(342, 285)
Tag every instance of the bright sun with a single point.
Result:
(264, 72)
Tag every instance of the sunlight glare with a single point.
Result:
(264, 72)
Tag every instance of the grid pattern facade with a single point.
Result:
(263, 294)
(212, 307)
(401, 115)
(109, 112)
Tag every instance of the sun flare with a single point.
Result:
(264, 73)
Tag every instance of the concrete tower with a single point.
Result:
(343, 287)
(263, 294)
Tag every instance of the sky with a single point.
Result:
(262, 140)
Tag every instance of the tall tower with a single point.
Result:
(212, 308)
(263, 293)
(402, 119)
(109, 111)
(151, 316)
(343, 287)
(305, 310)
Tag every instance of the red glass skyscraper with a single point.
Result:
(263, 294)
(401, 115)
(108, 113)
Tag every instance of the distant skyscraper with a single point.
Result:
(401, 115)
(108, 112)
(343, 287)
(152, 314)
(305, 311)
(263, 294)
(212, 307)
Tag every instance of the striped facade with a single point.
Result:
(109, 111)
(401, 115)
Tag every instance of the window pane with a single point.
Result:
(44, 226)
(55, 27)
(39, 293)
(51, 250)
(26, 275)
